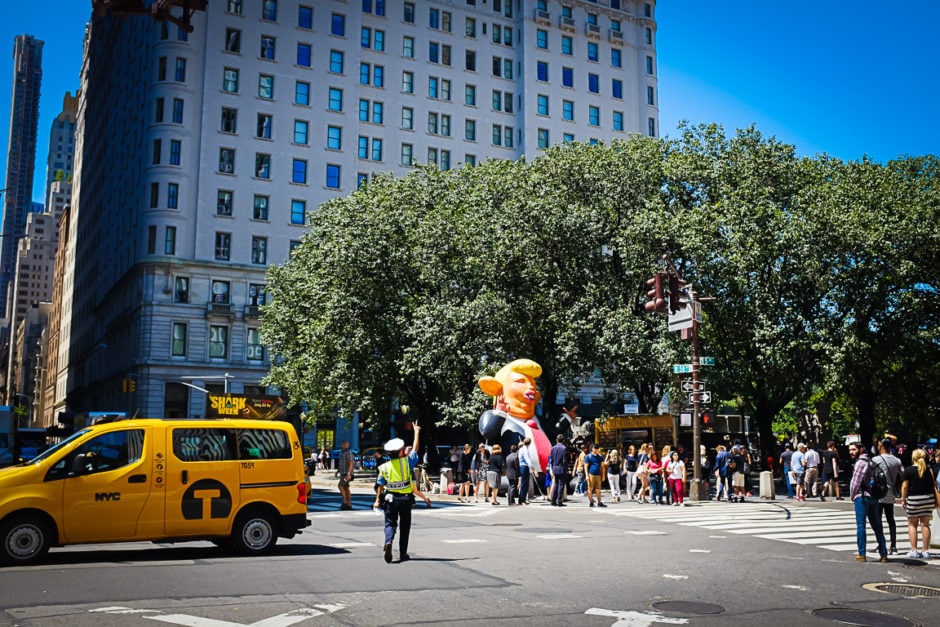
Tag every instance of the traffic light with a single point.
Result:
(675, 304)
(657, 302)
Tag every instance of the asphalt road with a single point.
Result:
(628, 564)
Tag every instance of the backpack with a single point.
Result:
(877, 483)
(730, 466)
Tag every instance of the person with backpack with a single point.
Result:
(723, 477)
(891, 466)
(798, 467)
(864, 495)
(919, 498)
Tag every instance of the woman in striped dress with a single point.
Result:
(918, 496)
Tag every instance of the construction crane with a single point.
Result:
(160, 10)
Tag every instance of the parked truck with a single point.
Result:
(6, 436)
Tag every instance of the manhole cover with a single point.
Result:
(688, 607)
(365, 523)
(866, 618)
(906, 590)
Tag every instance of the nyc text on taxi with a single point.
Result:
(238, 483)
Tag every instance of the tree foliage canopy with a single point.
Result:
(823, 275)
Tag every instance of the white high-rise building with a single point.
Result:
(198, 156)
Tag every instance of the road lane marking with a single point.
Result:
(558, 536)
(629, 618)
(463, 541)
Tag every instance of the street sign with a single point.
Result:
(703, 397)
(687, 385)
(706, 361)
(681, 368)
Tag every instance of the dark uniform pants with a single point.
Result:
(399, 511)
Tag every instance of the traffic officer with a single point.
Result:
(396, 491)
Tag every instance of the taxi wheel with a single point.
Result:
(254, 533)
(25, 539)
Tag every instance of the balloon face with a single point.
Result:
(520, 395)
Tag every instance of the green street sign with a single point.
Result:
(681, 368)
(706, 361)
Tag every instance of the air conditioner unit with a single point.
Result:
(543, 17)
(225, 167)
(566, 23)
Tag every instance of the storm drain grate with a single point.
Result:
(864, 618)
(907, 590)
(688, 607)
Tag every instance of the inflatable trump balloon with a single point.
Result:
(512, 418)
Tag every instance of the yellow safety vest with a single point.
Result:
(397, 475)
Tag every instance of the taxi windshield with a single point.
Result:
(55, 447)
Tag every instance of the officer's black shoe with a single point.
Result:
(388, 552)
(404, 557)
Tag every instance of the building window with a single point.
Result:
(616, 88)
(470, 27)
(304, 54)
(259, 250)
(265, 86)
(300, 131)
(592, 52)
(374, 39)
(408, 13)
(650, 95)
(567, 45)
(333, 173)
(299, 172)
(445, 160)
(158, 110)
(254, 351)
(260, 211)
(151, 240)
(334, 138)
(542, 101)
(594, 116)
(567, 110)
(181, 290)
(233, 40)
(543, 138)
(269, 10)
(616, 57)
(651, 127)
(154, 195)
(223, 247)
(172, 195)
(338, 25)
(567, 138)
(302, 93)
(433, 123)
(542, 71)
(218, 342)
(408, 82)
(179, 339)
(256, 294)
(224, 205)
(541, 39)
(618, 120)
(470, 95)
(407, 118)
(432, 156)
(305, 17)
(648, 36)
(262, 165)
(567, 77)
(337, 61)
(169, 241)
(161, 69)
(221, 292)
(649, 65)
(267, 47)
(227, 160)
(408, 47)
(177, 110)
(180, 74)
(335, 99)
(229, 120)
(594, 83)
(264, 126)
(470, 61)
(176, 147)
(234, 6)
(407, 151)
(157, 149)
(298, 211)
(470, 130)
(230, 80)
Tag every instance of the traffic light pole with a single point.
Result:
(696, 491)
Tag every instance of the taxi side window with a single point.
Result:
(204, 445)
(263, 444)
(108, 451)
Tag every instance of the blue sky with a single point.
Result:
(848, 78)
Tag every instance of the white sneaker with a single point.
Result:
(914, 554)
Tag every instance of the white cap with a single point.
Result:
(394, 445)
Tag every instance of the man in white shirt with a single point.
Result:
(811, 462)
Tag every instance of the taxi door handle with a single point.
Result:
(185, 477)
(137, 479)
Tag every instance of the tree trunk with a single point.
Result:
(866, 413)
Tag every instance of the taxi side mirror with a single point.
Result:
(79, 465)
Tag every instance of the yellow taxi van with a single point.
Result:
(238, 483)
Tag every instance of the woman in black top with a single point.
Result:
(495, 472)
(918, 496)
(463, 472)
